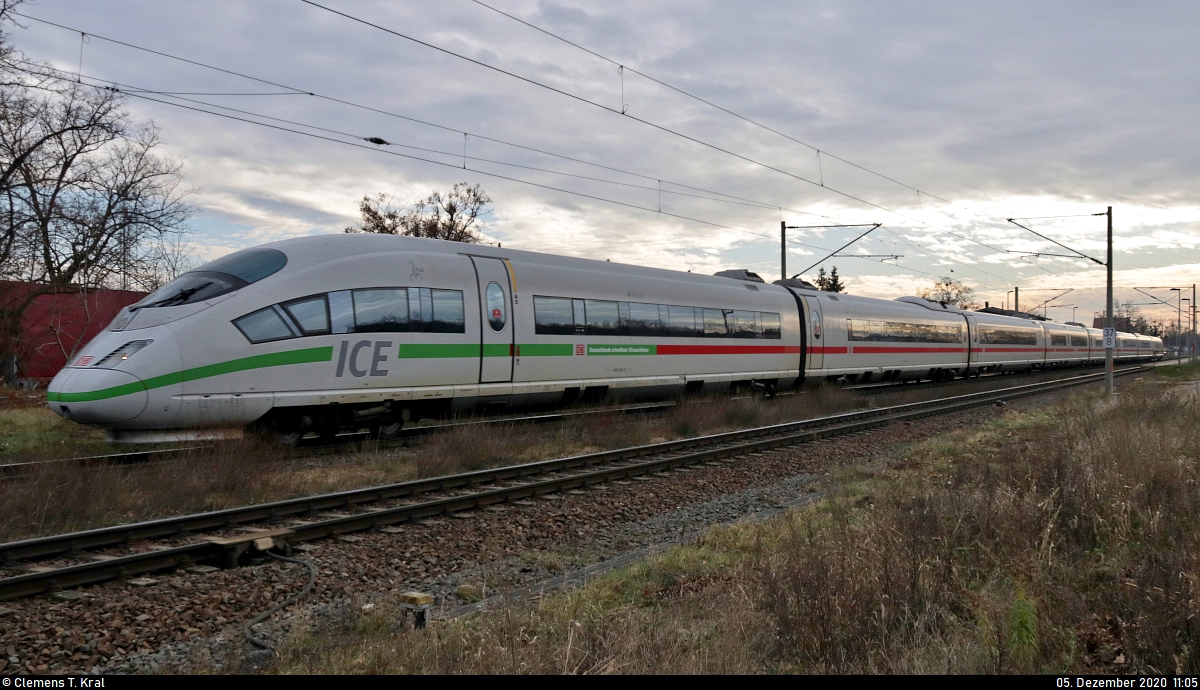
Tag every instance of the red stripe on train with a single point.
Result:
(906, 350)
(728, 349)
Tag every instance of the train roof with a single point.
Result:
(315, 249)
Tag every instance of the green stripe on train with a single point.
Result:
(438, 350)
(546, 350)
(447, 350)
(274, 359)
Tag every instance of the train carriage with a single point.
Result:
(329, 333)
(1003, 343)
(1065, 345)
(862, 339)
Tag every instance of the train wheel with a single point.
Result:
(388, 429)
(289, 438)
(391, 425)
(283, 430)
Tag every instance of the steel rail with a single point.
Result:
(586, 470)
(18, 469)
(13, 469)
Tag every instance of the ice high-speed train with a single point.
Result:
(329, 333)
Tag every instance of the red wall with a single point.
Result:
(57, 325)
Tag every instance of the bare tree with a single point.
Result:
(169, 257)
(92, 201)
(451, 216)
(950, 290)
(85, 198)
(9, 56)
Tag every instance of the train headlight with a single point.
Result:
(122, 353)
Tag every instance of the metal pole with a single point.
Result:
(1016, 299)
(783, 249)
(1108, 314)
(1192, 335)
(1178, 327)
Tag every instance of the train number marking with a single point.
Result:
(348, 357)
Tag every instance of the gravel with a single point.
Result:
(192, 621)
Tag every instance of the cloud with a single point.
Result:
(993, 109)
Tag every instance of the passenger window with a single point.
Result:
(414, 305)
(552, 316)
(602, 317)
(381, 311)
(448, 313)
(580, 321)
(264, 326)
(714, 323)
(495, 307)
(746, 325)
(341, 312)
(682, 322)
(644, 321)
(770, 326)
(311, 313)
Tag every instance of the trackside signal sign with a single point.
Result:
(1110, 338)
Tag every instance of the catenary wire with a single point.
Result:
(684, 92)
(193, 62)
(302, 91)
(137, 91)
(648, 123)
(481, 172)
(423, 122)
(131, 90)
(818, 151)
(707, 102)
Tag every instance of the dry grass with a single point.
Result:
(473, 447)
(28, 432)
(57, 499)
(673, 615)
(1069, 542)
(1066, 540)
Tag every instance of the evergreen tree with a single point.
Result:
(830, 282)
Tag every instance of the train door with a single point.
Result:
(966, 343)
(496, 326)
(816, 340)
(969, 340)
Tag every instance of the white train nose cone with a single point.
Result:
(97, 396)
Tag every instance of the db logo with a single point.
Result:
(84, 361)
(579, 351)
(495, 313)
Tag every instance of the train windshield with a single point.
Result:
(217, 277)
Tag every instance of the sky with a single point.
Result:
(938, 120)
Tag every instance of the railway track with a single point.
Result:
(46, 564)
(340, 443)
(926, 384)
(343, 442)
